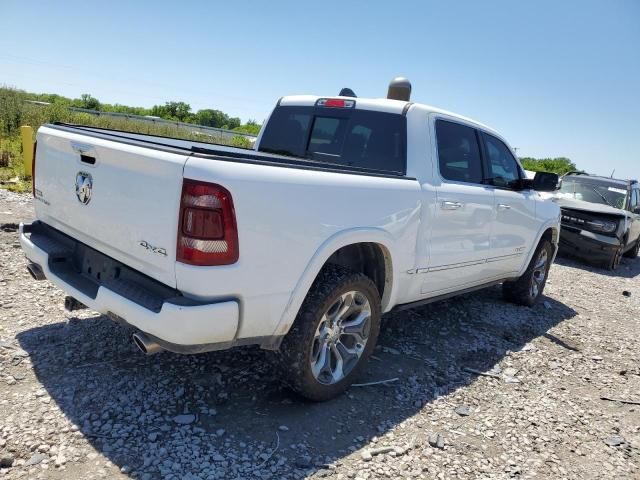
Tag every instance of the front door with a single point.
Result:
(634, 208)
(515, 228)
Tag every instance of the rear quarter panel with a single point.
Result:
(289, 222)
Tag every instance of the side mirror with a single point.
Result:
(636, 209)
(546, 182)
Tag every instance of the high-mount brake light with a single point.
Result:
(207, 231)
(335, 103)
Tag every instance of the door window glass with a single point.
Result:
(502, 166)
(458, 152)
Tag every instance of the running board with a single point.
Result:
(426, 301)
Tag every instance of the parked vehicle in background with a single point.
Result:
(347, 208)
(600, 218)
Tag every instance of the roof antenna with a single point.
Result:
(347, 92)
(614, 171)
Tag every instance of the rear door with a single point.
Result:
(463, 213)
(515, 226)
(118, 198)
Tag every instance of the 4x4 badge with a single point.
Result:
(151, 248)
(84, 186)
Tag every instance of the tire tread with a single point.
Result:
(293, 356)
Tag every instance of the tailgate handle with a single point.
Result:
(86, 153)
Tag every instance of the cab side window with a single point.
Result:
(458, 152)
(502, 165)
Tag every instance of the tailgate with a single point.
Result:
(123, 200)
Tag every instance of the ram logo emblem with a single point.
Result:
(84, 187)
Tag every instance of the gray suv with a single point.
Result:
(600, 218)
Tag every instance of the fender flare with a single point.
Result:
(320, 257)
(555, 227)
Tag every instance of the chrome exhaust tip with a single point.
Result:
(36, 271)
(145, 344)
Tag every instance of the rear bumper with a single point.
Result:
(178, 323)
(588, 245)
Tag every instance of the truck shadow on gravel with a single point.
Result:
(222, 414)
(629, 268)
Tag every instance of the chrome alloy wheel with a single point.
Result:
(341, 338)
(539, 272)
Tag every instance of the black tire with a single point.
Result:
(298, 346)
(614, 261)
(522, 291)
(633, 252)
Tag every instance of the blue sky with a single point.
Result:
(557, 78)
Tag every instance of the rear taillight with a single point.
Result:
(207, 231)
(33, 169)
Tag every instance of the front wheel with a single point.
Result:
(614, 261)
(333, 335)
(633, 253)
(528, 289)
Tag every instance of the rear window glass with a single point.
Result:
(356, 138)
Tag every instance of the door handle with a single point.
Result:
(504, 206)
(447, 205)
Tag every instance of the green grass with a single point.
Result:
(15, 112)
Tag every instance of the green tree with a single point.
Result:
(232, 123)
(11, 110)
(559, 165)
(87, 101)
(180, 111)
(210, 118)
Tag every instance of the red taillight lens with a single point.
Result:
(203, 224)
(207, 232)
(33, 170)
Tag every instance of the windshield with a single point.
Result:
(593, 192)
(357, 138)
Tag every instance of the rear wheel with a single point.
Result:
(333, 335)
(633, 253)
(528, 289)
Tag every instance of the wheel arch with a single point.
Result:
(551, 232)
(352, 248)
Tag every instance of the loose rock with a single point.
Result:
(6, 460)
(184, 419)
(462, 410)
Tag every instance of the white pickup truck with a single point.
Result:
(345, 209)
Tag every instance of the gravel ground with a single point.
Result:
(484, 389)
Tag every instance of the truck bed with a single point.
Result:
(217, 152)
